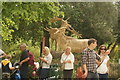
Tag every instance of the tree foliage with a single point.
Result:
(117, 28)
(92, 19)
(26, 20)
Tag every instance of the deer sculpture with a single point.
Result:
(64, 26)
(77, 45)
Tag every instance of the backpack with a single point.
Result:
(31, 60)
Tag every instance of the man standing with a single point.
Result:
(89, 58)
(24, 62)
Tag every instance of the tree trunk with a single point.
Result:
(109, 45)
(46, 35)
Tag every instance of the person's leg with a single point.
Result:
(47, 73)
(95, 76)
(44, 74)
(89, 76)
(104, 76)
(100, 76)
(24, 73)
(65, 74)
(70, 72)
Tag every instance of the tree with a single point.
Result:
(92, 19)
(26, 20)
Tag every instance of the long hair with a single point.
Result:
(100, 49)
(47, 50)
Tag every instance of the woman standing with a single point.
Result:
(67, 59)
(103, 68)
(46, 62)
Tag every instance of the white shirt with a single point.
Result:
(70, 57)
(1, 52)
(36, 64)
(102, 69)
(48, 58)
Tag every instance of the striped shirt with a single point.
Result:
(89, 58)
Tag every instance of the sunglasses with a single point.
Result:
(102, 49)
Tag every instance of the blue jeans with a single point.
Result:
(103, 76)
(92, 76)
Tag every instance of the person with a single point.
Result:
(7, 66)
(24, 62)
(2, 53)
(103, 68)
(67, 59)
(46, 62)
(89, 57)
(35, 69)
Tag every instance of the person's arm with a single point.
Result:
(25, 57)
(10, 66)
(43, 59)
(86, 71)
(98, 62)
(2, 53)
(98, 57)
(84, 61)
(71, 59)
(25, 60)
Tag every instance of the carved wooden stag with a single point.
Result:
(67, 26)
(77, 45)
(63, 27)
(52, 36)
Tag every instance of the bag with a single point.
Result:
(63, 67)
(79, 73)
(31, 60)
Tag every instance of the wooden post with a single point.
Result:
(42, 46)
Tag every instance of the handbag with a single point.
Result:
(79, 73)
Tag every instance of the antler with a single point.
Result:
(47, 29)
(70, 28)
(67, 18)
(54, 19)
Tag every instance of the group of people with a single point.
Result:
(95, 64)
(24, 66)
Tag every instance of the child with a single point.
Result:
(7, 66)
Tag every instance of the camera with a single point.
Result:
(17, 66)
